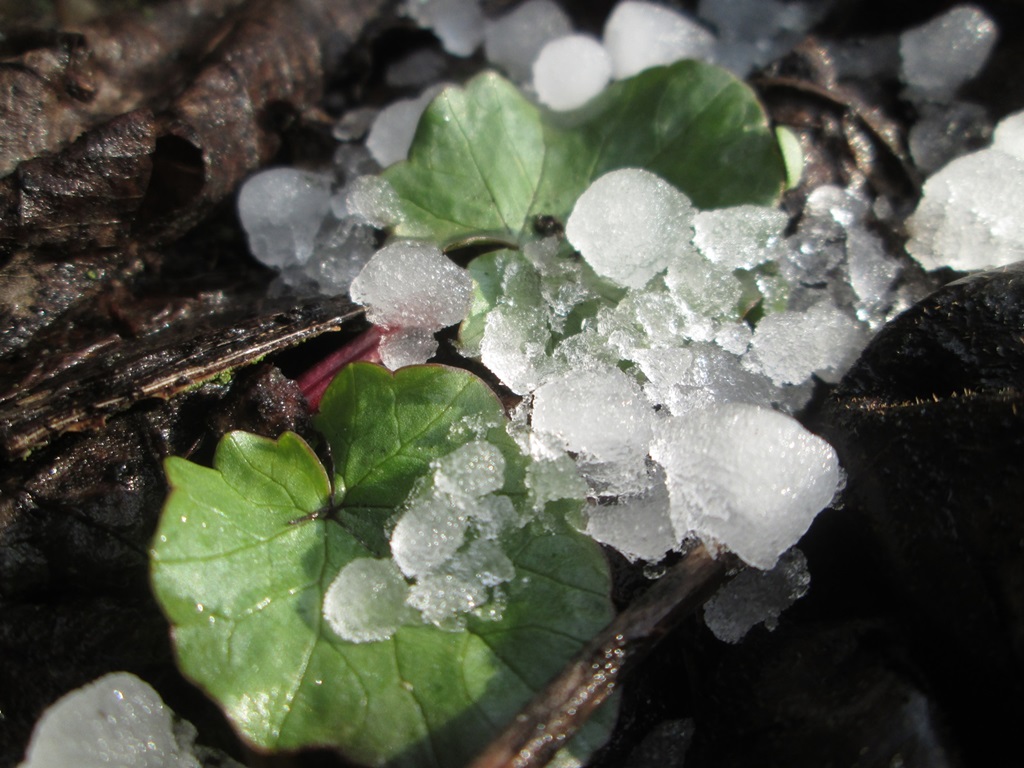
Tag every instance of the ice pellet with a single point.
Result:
(474, 470)
(637, 525)
(515, 348)
(569, 71)
(409, 283)
(747, 477)
(281, 211)
(372, 199)
(944, 53)
(513, 41)
(628, 223)
(427, 535)
(117, 720)
(757, 597)
(790, 346)
(969, 215)
(601, 415)
(407, 346)
(640, 35)
(366, 602)
(740, 237)
(1008, 136)
(393, 129)
(458, 24)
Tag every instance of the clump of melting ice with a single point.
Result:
(445, 558)
(969, 215)
(117, 720)
(281, 211)
(748, 477)
(413, 289)
(458, 24)
(757, 597)
(647, 384)
(944, 53)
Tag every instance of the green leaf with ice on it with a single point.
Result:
(693, 124)
(486, 162)
(245, 552)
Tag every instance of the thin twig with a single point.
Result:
(557, 712)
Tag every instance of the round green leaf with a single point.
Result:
(246, 550)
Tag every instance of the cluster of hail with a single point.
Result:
(674, 412)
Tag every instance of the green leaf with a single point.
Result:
(487, 271)
(792, 155)
(486, 162)
(385, 428)
(693, 124)
(245, 551)
(474, 164)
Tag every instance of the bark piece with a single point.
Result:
(59, 85)
(173, 165)
(112, 379)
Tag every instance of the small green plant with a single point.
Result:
(248, 552)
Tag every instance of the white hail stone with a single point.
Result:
(473, 470)
(603, 416)
(944, 53)
(342, 249)
(757, 597)
(628, 224)
(746, 477)
(407, 346)
(640, 35)
(117, 720)
(514, 40)
(791, 346)
(366, 602)
(969, 215)
(409, 283)
(395, 126)
(1008, 136)
(372, 199)
(569, 71)
(427, 534)
(740, 237)
(281, 211)
(458, 24)
(514, 347)
(637, 525)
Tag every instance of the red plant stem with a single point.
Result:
(364, 347)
